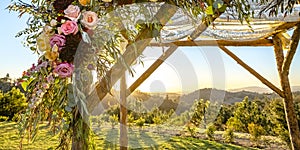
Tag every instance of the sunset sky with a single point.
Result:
(187, 69)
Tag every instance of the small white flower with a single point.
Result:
(53, 22)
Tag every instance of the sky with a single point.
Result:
(186, 70)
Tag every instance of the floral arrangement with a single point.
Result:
(58, 27)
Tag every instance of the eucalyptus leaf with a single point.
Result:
(68, 109)
(86, 37)
(218, 4)
(209, 10)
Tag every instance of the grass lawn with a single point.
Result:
(107, 138)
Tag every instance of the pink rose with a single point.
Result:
(69, 27)
(89, 19)
(64, 70)
(59, 40)
(72, 12)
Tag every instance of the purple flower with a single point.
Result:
(50, 79)
(64, 70)
(59, 40)
(44, 64)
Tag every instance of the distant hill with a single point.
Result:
(181, 103)
(220, 95)
(260, 90)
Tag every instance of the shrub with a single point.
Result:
(191, 128)
(140, 122)
(114, 119)
(3, 118)
(256, 131)
(228, 135)
(210, 131)
(12, 103)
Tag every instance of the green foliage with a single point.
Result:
(278, 121)
(256, 131)
(246, 112)
(130, 119)
(210, 131)
(228, 135)
(114, 120)
(198, 111)
(225, 113)
(3, 118)
(191, 128)
(12, 103)
(140, 122)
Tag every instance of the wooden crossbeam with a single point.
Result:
(151, 69)
(252, 71)
(260, 42)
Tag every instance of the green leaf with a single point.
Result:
(24, 85)
(68, 109)
(218, 4)
(209, 10)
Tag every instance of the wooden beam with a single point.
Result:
(123, 114)
(283, 27)
(278, 50)
(151, 69)
(291, 53)
(252, 71)
(261, 42)
(201, 28)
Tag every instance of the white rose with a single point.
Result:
(72, 12)
(89, 19)
(43, 42)
(53, 22)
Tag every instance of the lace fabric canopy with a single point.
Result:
(179, 27)
(226, 27)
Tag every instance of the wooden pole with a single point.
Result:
(283, 66)
(252, 71)
(123, 115)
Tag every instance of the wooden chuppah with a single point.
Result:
(283, 64)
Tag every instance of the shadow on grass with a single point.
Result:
(111, 139)
(147, 139)
(133, 139)
(196, 144)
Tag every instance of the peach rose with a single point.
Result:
(89, 19)
(72, 12)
